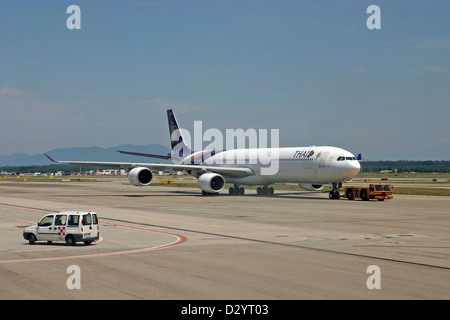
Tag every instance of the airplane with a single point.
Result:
(311, 167)
(102, 173)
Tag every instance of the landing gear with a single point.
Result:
(240, 191)
(266, 190)
(236, 191)
(334, 194)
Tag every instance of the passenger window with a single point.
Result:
(371, 188)
(74, 221)
(378, 188)
(87, 219)
(46, 221)
(60, 220)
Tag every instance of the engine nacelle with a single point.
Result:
(311, 187)
(211, 182)
(140, 176)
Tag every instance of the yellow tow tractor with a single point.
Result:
(377, 191)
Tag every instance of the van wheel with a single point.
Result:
(70, 241)
(31, 239)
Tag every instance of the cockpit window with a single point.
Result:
(342, 158)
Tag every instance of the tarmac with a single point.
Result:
(173, 243)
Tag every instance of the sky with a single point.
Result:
(311, 69)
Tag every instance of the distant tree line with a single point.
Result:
(428, 166)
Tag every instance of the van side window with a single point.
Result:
(60, 220)
(87, 219)
(74, 220)
(94, 219)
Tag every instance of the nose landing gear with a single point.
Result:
(334, 194)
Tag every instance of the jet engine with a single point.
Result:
(140, 176)
(311, 187)
(211, 182)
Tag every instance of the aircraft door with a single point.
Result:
(323, 159)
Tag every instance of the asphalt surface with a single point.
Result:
(172, 243)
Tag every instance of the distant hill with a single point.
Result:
(88, 154)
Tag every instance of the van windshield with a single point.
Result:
(46, 221)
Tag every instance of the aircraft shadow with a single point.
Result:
(284, 195)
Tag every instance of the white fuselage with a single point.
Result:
(315, 165)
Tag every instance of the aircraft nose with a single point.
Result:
(356, 164)
(353, 167)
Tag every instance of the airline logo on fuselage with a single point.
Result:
(303, 154)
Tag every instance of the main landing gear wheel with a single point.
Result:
(265, 191)
(236, 191)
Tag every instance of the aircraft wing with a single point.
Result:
(232, 172)
(168, 157)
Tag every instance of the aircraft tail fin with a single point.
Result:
(179, 148)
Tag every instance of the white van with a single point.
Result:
(68, 226)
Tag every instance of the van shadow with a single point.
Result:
(58, 244)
